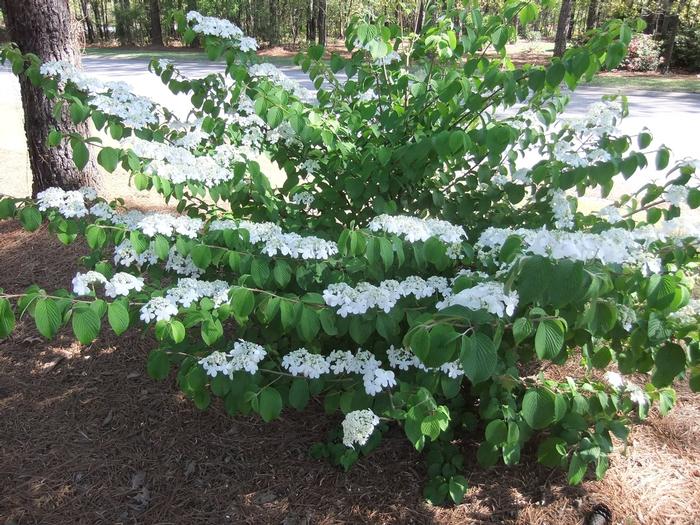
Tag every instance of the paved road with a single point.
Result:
(673, 118)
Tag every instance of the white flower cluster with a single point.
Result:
(209, 25)
(365, 296)
(676, 195)
(68, 203)
(112, 98)
(618, 383)
(403, 359)
(613, 246)
(244, 356)
(489, 296)
(121, 283)
(688, 315)
(152, 223)
(561, 209)
(582, 149)
(178, 164)
(186, 292)
(358, 426)
(125, 255)
(303, 198)
(414, 229)
(275, 241)
(274, 75)
(374, 378)
(611, 214)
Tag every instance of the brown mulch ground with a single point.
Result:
(86, 437)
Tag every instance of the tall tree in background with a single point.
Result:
(43, 27)
(592, 18)
(321, 21)
(562, 27)
(156, 29)
(311, 21)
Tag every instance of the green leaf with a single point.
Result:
(615, 54)
(96, 237)
(7, 318)
(478, 357)
(176, 331)
(458, 488)
(108, 158)
(577, 469)
(496, 432)
(158, 364)
(288, 314)
(644, 139)
(118, 317)
(47, 317)
(487, 454)
(555, 73)
(538, 408)
(211, 331)
(201, 256)
(551, 452)
(522, 329)
(30, 217)
(662, 158)
(55, 137)
(242, 302)
(299, 394)
(309, 324)
(549, 338)
(139, 241)
(282, 273)
(602, 317)
(81, 155)
(269, 404)
(274, 117)
(670, 361)
(260, 271)
(86, 324)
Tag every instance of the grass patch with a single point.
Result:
(650, 83)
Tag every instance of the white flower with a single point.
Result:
(639, 397)
(158, 308)
(122, 283)
(209, 25)
(82, 281)
(69, 204)
(627, 317)
(489, 296)
(561, 209)
(611, 214)
(366, 296)
(688, 315)
(615, 380)
(358, 426)
(414, 229)
(301, 362)
(675, 194)
(304, 198)
(377, 380)
(244, 356)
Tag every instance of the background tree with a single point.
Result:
(562, 27)
(44, 27)
(156, 30)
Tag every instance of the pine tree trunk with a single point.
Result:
(89, 30)
(419, 17)
(572, 20)
(273, 26)
(43, 27)
(592, 17)
(321, 21)
(562, 28)
(311, 23)
(156, 29)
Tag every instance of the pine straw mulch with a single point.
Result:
(86, 437)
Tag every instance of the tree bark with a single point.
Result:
(321, 21)
(572, 21)
(156, 29)
(273, 24)
(311, 22)
(43, 27)
(419, 17)
(89, 29)
(592, 18)
(562, 28)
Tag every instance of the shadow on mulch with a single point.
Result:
(89, 438)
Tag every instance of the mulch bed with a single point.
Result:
(87, 437)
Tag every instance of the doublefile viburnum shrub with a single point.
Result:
(423, 262)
